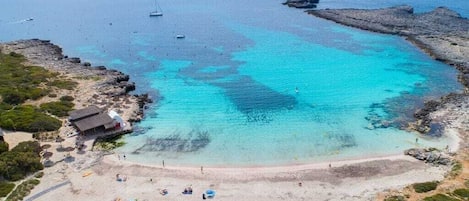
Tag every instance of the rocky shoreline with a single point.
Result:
(109, 88)
(441, 33)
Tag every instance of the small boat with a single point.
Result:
(157, 12)
(29, 19)
(180, 36)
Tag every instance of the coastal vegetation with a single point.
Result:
(462, 193)
(109, 143)
(425, 187)
(58, 108)
(28, 118)
(6, 188)
(440, 197)
(21, 161)
(456, 169)
(395, 198)
(22, 190)
(19, 83)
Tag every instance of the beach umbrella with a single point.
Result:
(47, 154)
(69, 149)
(46, 146)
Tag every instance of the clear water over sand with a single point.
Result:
(250, 85)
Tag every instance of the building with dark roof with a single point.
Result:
(76, 115)
(91, 120)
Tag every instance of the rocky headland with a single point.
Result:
(441, 33)
(97, 85)
(302, 3)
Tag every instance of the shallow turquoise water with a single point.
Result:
(249, 85)
(289, 101)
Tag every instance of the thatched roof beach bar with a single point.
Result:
(76, 115)
(92, 120)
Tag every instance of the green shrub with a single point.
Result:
(39, 175)
(28, 146)
(3, 147)
(456, 169)
(462, 193)
(395, 198)
(14, 54)
(20, 161)
(63, 84)
(28, 118)
(33, 182)
(6, 188)
(59, 109)
(425, 187)
(67, 98)
(110, 142)
(19, 82)
(440, 197)
(22, 190)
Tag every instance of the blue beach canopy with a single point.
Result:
(210, 193)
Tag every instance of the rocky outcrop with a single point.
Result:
(112, 86)
(424, 120)
(142, 100)
(302, 3)
(442, 33)
(430, 155)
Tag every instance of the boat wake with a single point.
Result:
(22, 21)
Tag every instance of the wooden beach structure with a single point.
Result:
(93, 120)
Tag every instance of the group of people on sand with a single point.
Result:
(187, 190)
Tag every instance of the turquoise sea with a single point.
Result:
(252, 83)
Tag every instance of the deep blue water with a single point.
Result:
(262, 84)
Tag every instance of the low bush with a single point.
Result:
(39, 175)
(22, 190)
(395, 198)
(462, 193)
(63, 84)
(440, 197)
(110, 143)
(67, 98)
(59, 108)
(3, 147)
(22, 160)
(5, 188)
(28, 118)
(456, 169)
(425, 187)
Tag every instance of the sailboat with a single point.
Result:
(157, 12)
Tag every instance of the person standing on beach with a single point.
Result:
(202, 169)
(163, 163)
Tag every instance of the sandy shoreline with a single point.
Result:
(92, 175)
